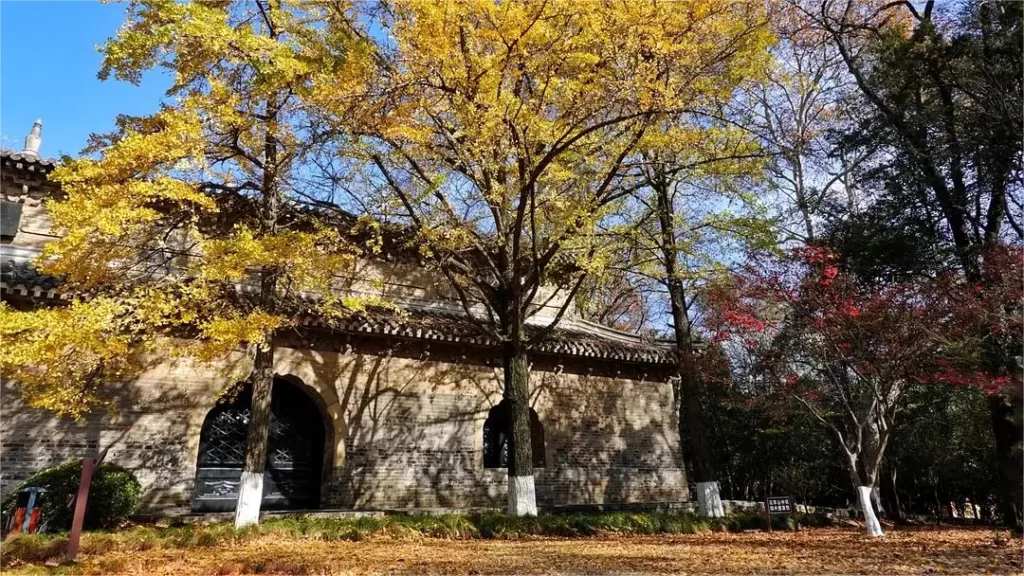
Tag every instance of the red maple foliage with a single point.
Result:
(943, 329)
(983, 332)
(848, 350)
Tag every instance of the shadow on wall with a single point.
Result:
(402, 430)
(410, 433)
(413, 437)
(610, 442)
(146, 431)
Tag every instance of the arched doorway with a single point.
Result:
(295, 452)
(498, 433)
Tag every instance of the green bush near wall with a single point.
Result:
(113, 495)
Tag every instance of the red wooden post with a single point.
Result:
(88, 466)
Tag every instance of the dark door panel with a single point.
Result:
(295, 448)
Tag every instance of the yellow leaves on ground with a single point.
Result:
(826, 551)
(61, 356)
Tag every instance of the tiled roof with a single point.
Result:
(21, 160)
(571, 338)
(22, 279)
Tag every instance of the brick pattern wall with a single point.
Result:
(404, 433)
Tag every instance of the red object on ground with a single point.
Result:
(88, 466)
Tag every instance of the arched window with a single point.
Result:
(498, 431)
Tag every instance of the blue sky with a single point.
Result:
(48, 66)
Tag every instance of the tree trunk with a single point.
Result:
(691, 417)
(876, 500)
(250, 493)
(870, 520)
(522, 495)
(872, 452)
(862, 490)
(1007, 443)
(709, 499)
(889, 479)
(984, 514)
(796, 161)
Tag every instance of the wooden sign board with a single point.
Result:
(781, 505)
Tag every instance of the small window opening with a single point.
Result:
(498, 433)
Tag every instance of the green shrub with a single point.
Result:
(113, 495)
(815, 520)
(495, 525)
(683, 524)
(583, 525)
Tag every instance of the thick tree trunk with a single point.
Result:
(522, 495)
(691, 414)
(709, 499)
(250, 493)
(874, 527)
(874, 443)
(1008, 455)
(862, 490)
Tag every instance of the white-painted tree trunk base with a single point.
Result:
(522, 496)
(870, 520)
(709, 500)
(250, 497)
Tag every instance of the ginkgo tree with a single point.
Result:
(184, 223)
(690, 212)
(501, 133)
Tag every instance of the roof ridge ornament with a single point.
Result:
(34, 139)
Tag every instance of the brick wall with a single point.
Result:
(404, 433)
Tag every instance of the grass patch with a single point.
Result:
(34, 548)
(21, 549)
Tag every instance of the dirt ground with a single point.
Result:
(846, 551)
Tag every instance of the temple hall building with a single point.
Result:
(381, 412)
